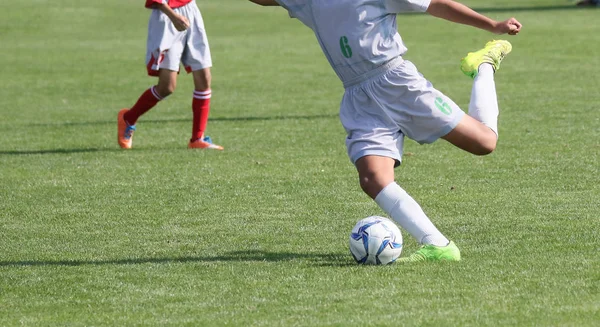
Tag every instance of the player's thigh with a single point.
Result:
(422, 112)
(369, 129)
(425, 114)
(165, 44)
(196, 55)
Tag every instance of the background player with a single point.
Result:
(386, 97)
(176, 35)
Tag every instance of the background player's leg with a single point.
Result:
(376, 176)
(201, 102)
(127, 118)
(167, 80)
(201, 109)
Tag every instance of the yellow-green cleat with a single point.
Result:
(449, 252)
(493, 53)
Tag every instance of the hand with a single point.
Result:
(181, 23)
(509, 26)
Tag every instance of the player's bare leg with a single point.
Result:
(167, 82)
(202, 79)
(375, 173)
(201, 110)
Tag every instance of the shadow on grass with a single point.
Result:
(319, 259)
(160, 121)
(181, 120)
(55, 151)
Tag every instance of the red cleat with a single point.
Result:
(125, 131)
(205, 143)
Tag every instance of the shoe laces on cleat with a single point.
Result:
(129, 131)
(498, 49)
(496, 53)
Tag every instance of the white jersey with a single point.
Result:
(386, 98)
(358, 37)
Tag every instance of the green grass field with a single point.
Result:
(257, 235)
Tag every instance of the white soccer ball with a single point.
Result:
(376, 241)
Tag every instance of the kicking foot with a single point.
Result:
(205, 143)
(449, 252)
(125, 131)
(493, 53)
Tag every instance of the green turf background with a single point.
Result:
(256, 235)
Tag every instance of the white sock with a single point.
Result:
(409, 215)
(484, 103)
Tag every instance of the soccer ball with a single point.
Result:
(376, 241)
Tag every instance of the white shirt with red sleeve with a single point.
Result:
(171, 3)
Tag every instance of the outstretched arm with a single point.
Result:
(459, 13)
(265, 2)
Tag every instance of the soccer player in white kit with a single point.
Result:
(386, 98)
(176, 35)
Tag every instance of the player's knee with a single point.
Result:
(165, 91)
(486, 146)
(370, 183)
(364, 182)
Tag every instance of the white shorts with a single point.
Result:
(377, 113)
(167, 47)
